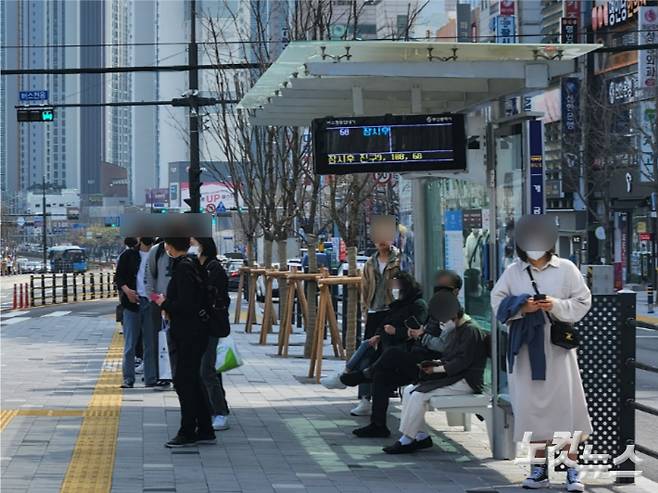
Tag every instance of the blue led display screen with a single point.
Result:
(389, 143)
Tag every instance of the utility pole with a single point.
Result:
(194, 173)
(43, 226)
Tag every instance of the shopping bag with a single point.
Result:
(228, 357)
(164, 365)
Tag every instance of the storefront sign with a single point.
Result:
(463, 22)
(570, 109)
(505, 29)
(572, 8)
(506, 7)
(622, 89)
(615, 13)
(648, 122)
(647, 30)
(472, 219)
(536, 146)
(569, 30)
(645, 236)
(606, 62)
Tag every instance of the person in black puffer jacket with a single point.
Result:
(189, 337)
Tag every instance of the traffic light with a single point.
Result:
(35, 114)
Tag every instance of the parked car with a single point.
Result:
(233, 271)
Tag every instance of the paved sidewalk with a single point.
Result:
(286, 435)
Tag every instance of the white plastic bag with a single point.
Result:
(228, 357)
(164, 365)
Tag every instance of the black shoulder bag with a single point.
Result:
(563, 334)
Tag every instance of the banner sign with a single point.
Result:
(216, 194)
(536, 146)
(506, 7)
(505, 29)
(615, 12)
(572, 8)
(648, 122)
(454, 243)
(647, 30)
(569, 30)
(622, 89)
(570, 110)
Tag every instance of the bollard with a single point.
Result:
(650, 300)
(102, 286)
(32, 291)
(15, 303)
(75, 287)
(27, 296)
(65, 288)
(21, 301)
(43, 289)
(54, 289)
(92, 286)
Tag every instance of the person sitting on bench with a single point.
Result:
(408, 306)
(460, 371)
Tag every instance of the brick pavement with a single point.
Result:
(286, 435)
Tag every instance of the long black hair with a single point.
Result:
(409, 287)
(208, 247)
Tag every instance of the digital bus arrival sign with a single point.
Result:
(401, 143)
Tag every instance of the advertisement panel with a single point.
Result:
(506, 7)
(454, 243)
(570, 96)
(215, 197)
(536, 146)
(569, 30)
(648, 121)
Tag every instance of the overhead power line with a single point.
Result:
(118, 70)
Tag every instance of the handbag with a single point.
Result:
(228, 357)
(164, 363)
(563, 334)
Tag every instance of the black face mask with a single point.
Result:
(443, 288)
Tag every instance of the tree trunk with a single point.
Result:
(282, 253)
(352, 303)
(311, 295)
(267, 252)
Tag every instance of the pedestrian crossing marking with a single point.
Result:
(15, 320)
(14, 314)
(59, 313)
(92, 462)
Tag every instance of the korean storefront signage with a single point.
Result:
(615, 12)
(506, 7)
(536, 167)
(647, 30)
(505, 29)
(648, 122)
(572, 8)
(570, 109)
(569, 30)
(622, 89)
(454, 243)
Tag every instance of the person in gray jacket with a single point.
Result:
(158, 275)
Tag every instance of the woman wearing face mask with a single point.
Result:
(545, 387)
(407, 302)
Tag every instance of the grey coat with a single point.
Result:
(159, 284)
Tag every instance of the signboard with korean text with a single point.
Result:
(40, 95)
(219, 194)
(454, 243)
(622, 89)
(646, 63)
(505, 29)
(615, 13)
(506, 7)
(536, 166)
(569, 30)
(648, 122)
(572, 8)
(389, 143)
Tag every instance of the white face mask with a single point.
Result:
(449, 325)
(535, 254)
(395, 293)
(194, 250)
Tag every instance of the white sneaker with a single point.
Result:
(220, 423)
(363, 408)
(573, 481)
(139, 369)
(333, 382)
(538, 478)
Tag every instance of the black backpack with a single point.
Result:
(213, 309)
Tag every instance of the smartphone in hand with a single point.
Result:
(429, 364)
(154, 296)
(539, 297)
(412, 323)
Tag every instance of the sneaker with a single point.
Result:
(158, 383)
(139, 369)
(538, 478)
(220, 423)
(127, 385)
(424, 443)
(206, 439)
(181, 441)
(333, 382)
(372, 431)
(363, 408)
(573, 481)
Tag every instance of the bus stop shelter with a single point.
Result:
(318, 79)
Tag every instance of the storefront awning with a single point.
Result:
(314, 79)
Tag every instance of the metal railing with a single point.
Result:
(632, 403)
(46, 289)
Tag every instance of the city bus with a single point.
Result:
(67, 258)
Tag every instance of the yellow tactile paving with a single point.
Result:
(92, 464)
(6, 415)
